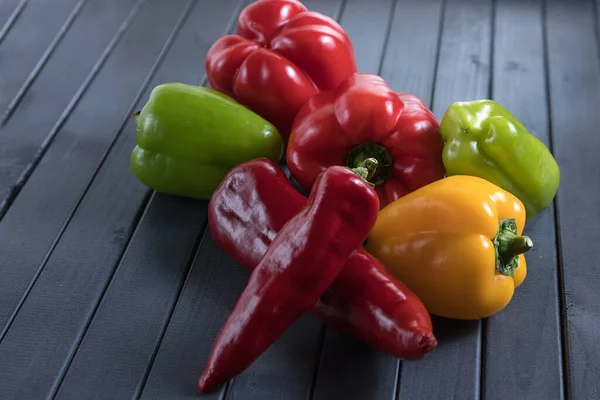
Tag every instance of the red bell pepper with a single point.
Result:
(364, 118)
(300, 264)
(280, 56)
(255, 200)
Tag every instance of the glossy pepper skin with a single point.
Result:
(457, 244)
(280, 56)
(189, 137)
(365, 118)
(302, 261)
(255, 200)
(484, 139)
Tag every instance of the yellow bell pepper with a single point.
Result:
(457, 244)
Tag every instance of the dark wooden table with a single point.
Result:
(110, 291)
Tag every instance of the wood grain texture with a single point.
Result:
(575, 100)
(331, 8)
(22, 47)
(28, 231)
(73, 278)
(526, 334)
(74, 63)
(351, 369)
(9, 12)
(367, 24)
(130, 320)
(348, 368)
(463, 73)
(135, 310)
(411, 52)
(210, 292)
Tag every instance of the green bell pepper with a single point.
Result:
(189, 137)
(483, 139)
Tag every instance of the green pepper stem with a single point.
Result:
(371, 151)
(135, 115)
(366, 169)
(509, 245)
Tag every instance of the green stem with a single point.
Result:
(366, 169)
(509, 245)
(358, 155)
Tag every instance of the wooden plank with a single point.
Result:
(29, 37)
(209, 294)
(130, 321)
(331, 8)
(411, 52)
(574, 83)
(285, 371)
(367, 24)
(463, 66)
(350, 369)
(453, 369)
(28, 231)
(74, 277)
(9, 12)
(77, 59)
(522, 343)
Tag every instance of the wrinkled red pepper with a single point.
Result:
(255, 200)
(364, 118)
(280, 56)
(300, 264)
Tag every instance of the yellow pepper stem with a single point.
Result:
(366, 169)
(509, 245)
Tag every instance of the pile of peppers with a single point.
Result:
(404, 216)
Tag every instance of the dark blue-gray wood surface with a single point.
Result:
(111, 291)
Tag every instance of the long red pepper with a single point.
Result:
(300, 264)
(253, 203)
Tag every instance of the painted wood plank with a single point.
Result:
(522, 343)
(453, 369)
(43, 335)
(574, 84)
(331, 8)
(74, 63)
(410, 57)
(9, 12)
(28, 39)
(350, 369)
(367, 24)
(130, 321)
(209, 294)
(27, 232)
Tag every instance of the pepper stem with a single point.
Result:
(370, 150)
(366, 169)
(135, 115)
(509, 245)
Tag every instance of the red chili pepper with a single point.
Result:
(255, 200)
(300, 264)
(365, 118)
(280, 56)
